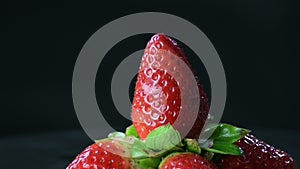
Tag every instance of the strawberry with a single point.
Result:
(257, 155)
(186, 161)
(101, 155)
(157, 94)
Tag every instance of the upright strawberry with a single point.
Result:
(104, 155)
(257, 155)
(157, 98)
(186, 161)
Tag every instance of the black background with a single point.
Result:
(258, 43)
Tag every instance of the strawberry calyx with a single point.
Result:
(165, 140)
(160, 141)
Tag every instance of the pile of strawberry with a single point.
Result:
(155, 141)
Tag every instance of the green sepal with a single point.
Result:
(231, 149)
(131, 131)
(192, 145)
(148, 163)
(228, 133)
(159, 142)
(223, 138)
(227, 148)
(163, 138)
(139, 149)
(207, 144)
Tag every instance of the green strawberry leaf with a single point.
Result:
(139, 149)
(228, 133)
(214, 150)
(192, 145)
(148, 163)
(223, 138)
(131, 131)
(138, 153)
(163, 138)
(225, 148)
(159, 142)
(207, 144)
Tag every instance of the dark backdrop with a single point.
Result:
(258, 42)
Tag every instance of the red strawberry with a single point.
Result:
(257, 155)
(101, 155)
(186, 161)
(157, 94)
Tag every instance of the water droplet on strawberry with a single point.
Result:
(154, 115)
(148, 72)
(155, 76)
(148, 121)
(153, 50)
(158, 58)
(155, 65)
(159, 45)
(162, 118)
(149, 59)
(149, 98)
(164, 82)
(157, 104)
